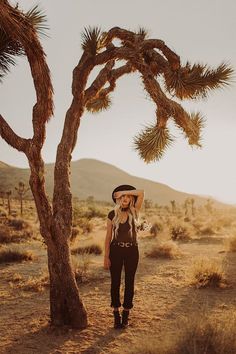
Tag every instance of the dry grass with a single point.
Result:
(200, 335)
(15, 230)
(36, 284)
(181, 232)
(156, 228)
(168, 249)
(231, 244)
(89, 249)
(80, 265)
(207, 273)
(8, 255)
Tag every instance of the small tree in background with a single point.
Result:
(21, 191)
(193, 209)
(163, 76)
(2, 196)
(8, 194)
(173, 206)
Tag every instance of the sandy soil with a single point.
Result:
(163, 297)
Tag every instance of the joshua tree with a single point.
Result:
(163, 76)
(8, 194)
(2, 196)
(192, 201)
(173, 206)
(21, 191)
(209, 206)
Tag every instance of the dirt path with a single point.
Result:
(162, 298)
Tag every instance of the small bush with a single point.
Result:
(156, 228)
(93, 248)
(7, 235)
(199, 334)
(17, 224)
(74, 233)
(206, 230)
(80, 266)
(85, 224)
(3, 213)
(180, 233)
(36, 284)
(207, 273)
(165, 250)
(9, 255)
(94, 212)
(32, 283)
(232, 244)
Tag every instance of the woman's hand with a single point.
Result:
(107, 262)
(117, 195)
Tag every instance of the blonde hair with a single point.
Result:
(132, 217)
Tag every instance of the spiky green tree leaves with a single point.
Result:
(11, 48)
(195, 81)
(93, 40)
(152, 142)
(99, 103)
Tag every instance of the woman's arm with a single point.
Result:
(107, 262)
(139, 193)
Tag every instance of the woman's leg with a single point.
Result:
(116, 258)
(130, 263)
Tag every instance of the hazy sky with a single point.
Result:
(199, 31)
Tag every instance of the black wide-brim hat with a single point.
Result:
(123, 187)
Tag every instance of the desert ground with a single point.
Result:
(186, 275)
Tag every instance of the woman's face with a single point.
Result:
(125, 200)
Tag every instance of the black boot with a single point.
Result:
(117, 320)
(125, 318)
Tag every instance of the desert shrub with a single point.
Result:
(74, 233)
(37, 283)
(165, 250)
(85, 224)
(180, 232)
(232, 244)
(7, 235)
(80, 266)
(89, 249)
(3, 213)
(202, 334)
(17, 224)
(206, 230)
(94, 212)
(198, 334)
(8, 255)
(156, 228)
(207, 273)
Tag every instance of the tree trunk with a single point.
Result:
(66, 307)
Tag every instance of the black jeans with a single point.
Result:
(119, 256)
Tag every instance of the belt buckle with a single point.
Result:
(128, 244)
(121, 244)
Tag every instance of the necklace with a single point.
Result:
(125, 209)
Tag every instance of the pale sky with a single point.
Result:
(199, 31)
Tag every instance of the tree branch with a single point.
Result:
(106, 75)
(11, 137)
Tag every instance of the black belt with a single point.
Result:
(124, 244)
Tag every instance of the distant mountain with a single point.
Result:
(91, 177)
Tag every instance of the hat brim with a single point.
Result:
(123, 187)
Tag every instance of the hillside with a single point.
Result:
(91, 177)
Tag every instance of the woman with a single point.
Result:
(121, 248)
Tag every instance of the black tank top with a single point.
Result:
(123, 234)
